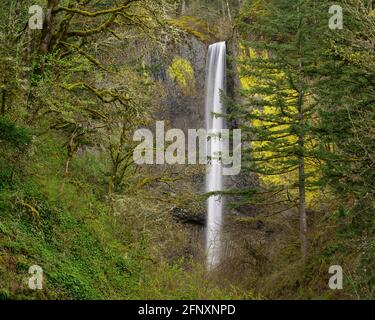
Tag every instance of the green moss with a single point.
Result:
(182, 72)
(84, 251)
(10, 133)
(63, 238)
(195, 27)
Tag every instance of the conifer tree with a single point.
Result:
(346, 105)
(278, 71)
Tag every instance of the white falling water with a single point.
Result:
(216, 79)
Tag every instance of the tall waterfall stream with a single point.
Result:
(215, 83)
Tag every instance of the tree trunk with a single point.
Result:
(183, 7)
(301, 181)
(17, 12)
(113, 179)
(229, 11)
(48, 27)
(3, 103)
(71, 148)
(301, 154)
(223, 8)
(302, 208)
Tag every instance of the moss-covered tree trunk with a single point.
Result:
(48, 27)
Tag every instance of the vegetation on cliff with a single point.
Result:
(73, 202)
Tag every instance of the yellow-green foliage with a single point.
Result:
(182, 73)
(289, 178)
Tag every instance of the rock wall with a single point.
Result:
(185, 110)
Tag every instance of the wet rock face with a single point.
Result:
(184, 216)
(185, 110)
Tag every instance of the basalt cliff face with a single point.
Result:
(183, 75)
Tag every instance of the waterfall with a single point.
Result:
(216, 80)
